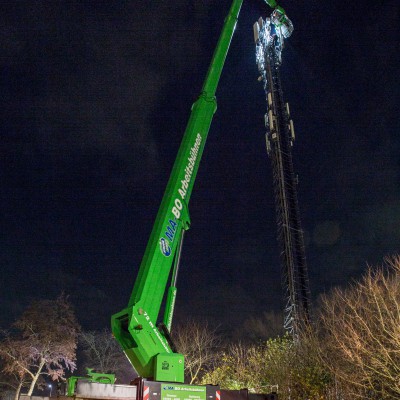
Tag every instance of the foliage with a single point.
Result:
(199, 344)
(293, 367)
(42, 341)
(102, 353)
(11, 383)
(355, 352)
(310, 379)
(250, 366)
(361, 333)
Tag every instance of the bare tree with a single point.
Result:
(362, 333)
(14, 364)
(103, 353)
(42, 341)
(198, 343)
(12, 382)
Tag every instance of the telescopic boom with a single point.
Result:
(148, 346)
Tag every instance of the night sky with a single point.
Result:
(94, 101)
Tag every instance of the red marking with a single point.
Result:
(218, 395)
(146, 393)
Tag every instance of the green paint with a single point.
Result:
(91, 377)
(168, 367)
(135, 326)
(271, 3)
(182, 392)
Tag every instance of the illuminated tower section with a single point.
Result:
(279, 141)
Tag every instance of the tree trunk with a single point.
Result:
(18, 390)
(35, 378)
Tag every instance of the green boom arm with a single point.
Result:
(145, 345)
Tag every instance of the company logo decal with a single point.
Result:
(165, 244)
(165, 247)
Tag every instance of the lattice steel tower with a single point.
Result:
(279, 139)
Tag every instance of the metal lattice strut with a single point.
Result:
(279, 140)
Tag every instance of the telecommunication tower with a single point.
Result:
(280, 137)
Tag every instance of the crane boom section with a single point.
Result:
(135, 327)
(173, 215)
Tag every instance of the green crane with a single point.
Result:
(146, 344)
